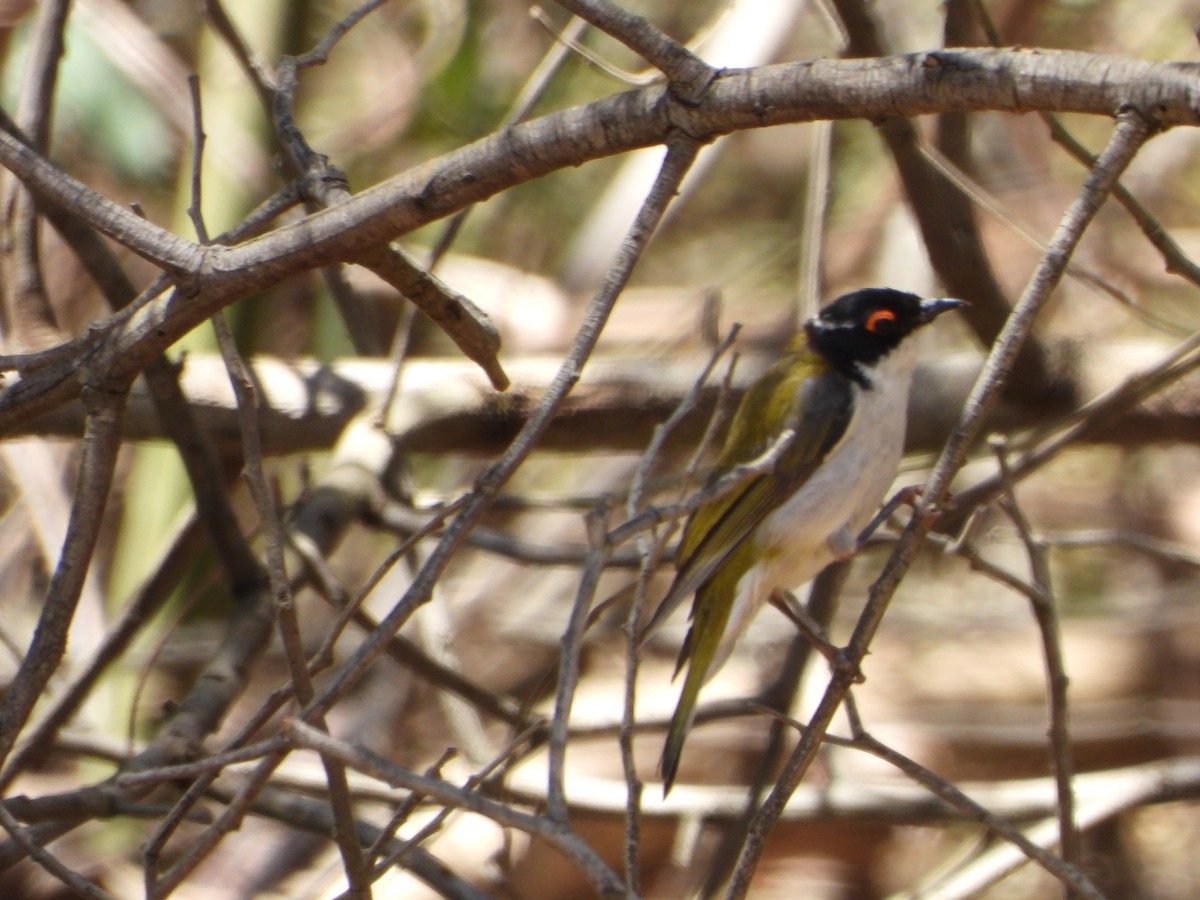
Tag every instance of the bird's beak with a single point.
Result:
(931, 309)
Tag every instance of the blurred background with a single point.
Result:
(770, 223)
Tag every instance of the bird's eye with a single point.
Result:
(881, 321)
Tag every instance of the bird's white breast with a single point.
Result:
(847, 489)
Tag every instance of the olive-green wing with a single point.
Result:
(818, 410)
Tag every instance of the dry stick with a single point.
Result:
(533, 91)
(246, 798)
(487, 487)
(402, 520)
(285, 607)
(400, 649)
(400, 850)
(102, 267)
(1043, 605)
(247, 402)
(230, 817)
(101, 441)
(687, 73)
(31, 316)
(681, 153)
(215, 276)
(48, 861)
(229, 820)
(197, 716)
(203, 784)
(467, 326)
(145, 602)
(1001, 859)
(435, 824)
(211, 763)
(402, 813)
(556, 834)
(650, 554)
(308, 815)
(963, 548)
(73, 348)
(1130, 133)
(1177, 261)
(324, 185)
(1065, 872)
(1092, 416)
(246, 398)
(205, 706)
(493, 479)
(568, 666)
(948, 79)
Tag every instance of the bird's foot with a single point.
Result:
(908, 496)
(836, 656)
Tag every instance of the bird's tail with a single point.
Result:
(681, 724)
(699, 651)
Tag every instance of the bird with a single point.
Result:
(841, 388)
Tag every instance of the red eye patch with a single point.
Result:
(880, 319)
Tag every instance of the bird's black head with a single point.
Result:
(856, 330)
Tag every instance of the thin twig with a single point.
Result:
(1177, 261)
(102, 440)
(687, 72)
(568, 39)
(1064, 871)
(140, 609)
(229, 820)
(1094, 415)
(314, 816)
(650, 553)
(284, 601)
(557, 834)
(476, 781)
(30, 317)
(1043, 605)
(568, 666)
(48, 861)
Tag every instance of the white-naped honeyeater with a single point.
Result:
(842, 388)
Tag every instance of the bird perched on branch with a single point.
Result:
(839, 398)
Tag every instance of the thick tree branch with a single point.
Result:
(937, 81)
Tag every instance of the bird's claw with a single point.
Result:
(838, 658)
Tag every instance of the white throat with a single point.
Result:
(894, 371)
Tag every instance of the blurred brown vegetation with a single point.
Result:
(955, 678)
